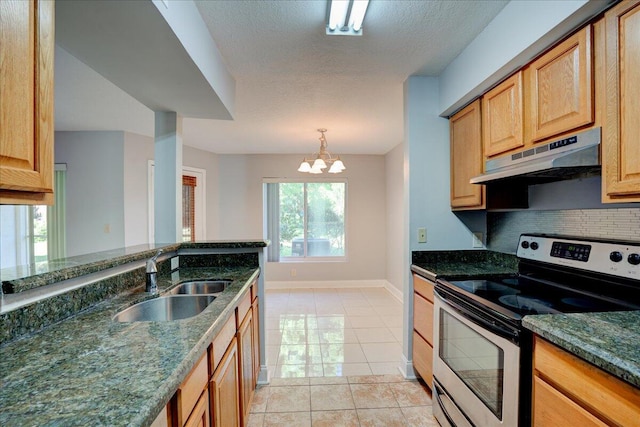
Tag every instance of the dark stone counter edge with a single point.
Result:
(598, 357)
(92, 266)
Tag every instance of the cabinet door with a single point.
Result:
(256, 341)
(224, 389)
(423, 317)
(26, 104)
(200, 415)
(247, 382)
(560, 88)
(423, 358)
(620, 143)
(466, 158)
(552, 408)
(502, 112)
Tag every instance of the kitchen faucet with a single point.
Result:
(152, 275)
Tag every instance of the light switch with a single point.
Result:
(422, 235)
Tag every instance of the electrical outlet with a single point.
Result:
(294, 272)
(422, 235)
(477, 240)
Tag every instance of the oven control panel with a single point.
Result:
(617, 258)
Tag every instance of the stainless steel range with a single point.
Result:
(482, 354)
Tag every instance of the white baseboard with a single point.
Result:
(337, 284)
(406, 369)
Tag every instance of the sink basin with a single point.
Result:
(200, 287)
(173, 307)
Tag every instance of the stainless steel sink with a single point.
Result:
(161, 309)
(200, 287)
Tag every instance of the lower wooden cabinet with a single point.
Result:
(247, 380)
(570, 391)
(219, 389)
(423, 328)
(223, 389)
(200, 415)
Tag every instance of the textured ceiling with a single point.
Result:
(292, 78)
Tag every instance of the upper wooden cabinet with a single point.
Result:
(560, 87)
(26, 104)
(502, 113)
(466, 158)
(621, 141)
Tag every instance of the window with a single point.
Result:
(189, 184)
(306, 220)
(31, 234)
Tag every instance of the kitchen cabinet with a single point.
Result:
(466, 158)
(224, 386)
(502, 117)
(200, 415)
(192, 395)
(247, 374)
(423, 328)
(26, 104)
(570, 391)
(560, 88)
(620, 142)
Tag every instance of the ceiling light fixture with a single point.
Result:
(345, 17)
(322, 159)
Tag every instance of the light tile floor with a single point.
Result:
(332, 332)
(333, 357)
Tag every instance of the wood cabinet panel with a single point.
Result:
(560, 87)
(26, 104)
(191, 388)
(256, 341)
(552, 408)
(423, 317)
(590, 387)
(423, 286)
(243, 307)
(423, 358)
(221, 342)
(200, 415)
(621, 144)
(466, 158)
(245, 354)
(502, 117)
(223, 389)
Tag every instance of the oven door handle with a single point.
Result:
(497, 328)
(461, 420)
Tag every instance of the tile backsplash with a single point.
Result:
(504, 228)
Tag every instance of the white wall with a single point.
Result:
(394, 167)
(138, 150)
(241, 207)
(95, 189)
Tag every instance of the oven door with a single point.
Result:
(477, 370)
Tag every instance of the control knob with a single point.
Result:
(524, 244)
(634, 259)
(534, 245)
(615, 256)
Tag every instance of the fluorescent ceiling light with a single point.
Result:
(345, 17)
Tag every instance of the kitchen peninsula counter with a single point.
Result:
(90, 370)
(607, 340)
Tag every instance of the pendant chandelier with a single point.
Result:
(322, 159)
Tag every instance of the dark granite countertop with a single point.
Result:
(462, 263)
(25, 277)
(610, 341)
(89, 370)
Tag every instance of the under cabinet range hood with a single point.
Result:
(566, 158)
